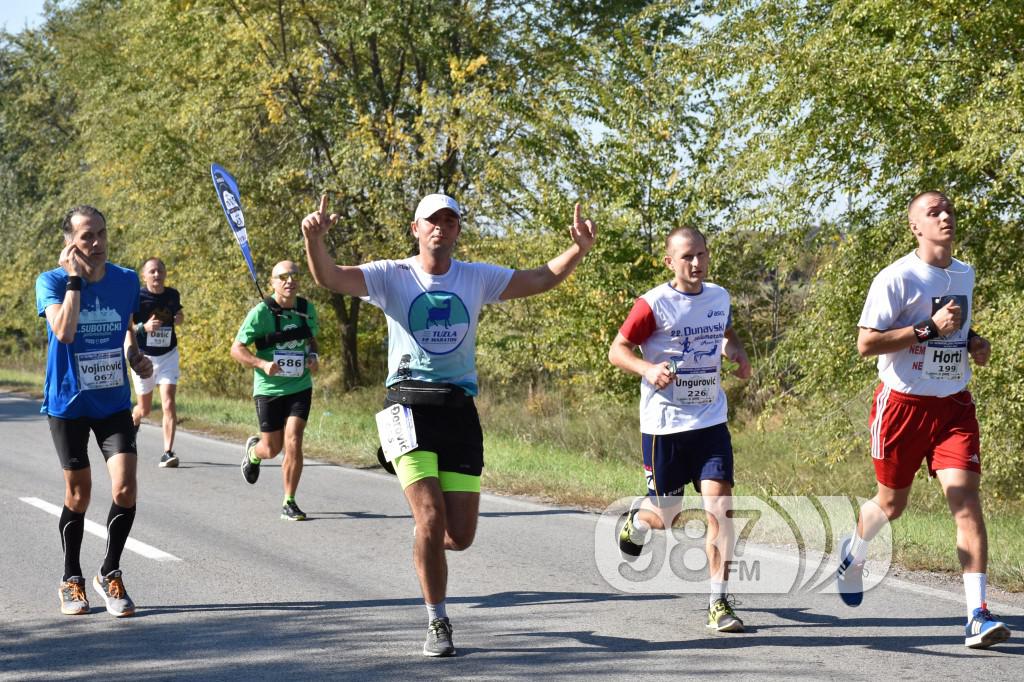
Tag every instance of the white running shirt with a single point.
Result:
(905, 293)
(668, 324)
(433, 318)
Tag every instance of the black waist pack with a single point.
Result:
(414, 392)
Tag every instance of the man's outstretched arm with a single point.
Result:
(342, 279)
(551, 274)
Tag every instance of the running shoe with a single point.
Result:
(850, 576)
(291, 512)
(984, 630)
(169, 460)
(439, 639)
(722, 618)
(629, 548)
(73, 601)
(250, 471)
(111, 588)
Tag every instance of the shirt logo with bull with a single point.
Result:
(439, 321)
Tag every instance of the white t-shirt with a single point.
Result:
(905, 293)
(433, 318)
(669, 324)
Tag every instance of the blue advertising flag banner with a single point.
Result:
(231, 202)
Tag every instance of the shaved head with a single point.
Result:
(283, 267)
(922, 196)
(686, 232)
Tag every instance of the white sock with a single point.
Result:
(858, 548)
(435, 611)
(716, 592)
(974, 590)
(640, 529)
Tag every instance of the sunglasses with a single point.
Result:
(293, 276)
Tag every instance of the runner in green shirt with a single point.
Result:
(282, 328)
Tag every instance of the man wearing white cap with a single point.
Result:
(432, 303)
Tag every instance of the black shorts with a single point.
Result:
(114, 434)
(273, 410)
(454, 433)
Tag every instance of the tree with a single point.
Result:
(37, 150)
(847, 109)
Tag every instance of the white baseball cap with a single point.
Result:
(432, 203)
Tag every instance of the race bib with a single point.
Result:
(945, 360)
(397, 431)
(100, 369)
(291, 362)
(161, 338)
(697, 386)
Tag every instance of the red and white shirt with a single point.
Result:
(670, 325)
(905, 293)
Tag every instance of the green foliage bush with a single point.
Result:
(792, 145)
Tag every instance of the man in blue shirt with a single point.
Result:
(88, 305)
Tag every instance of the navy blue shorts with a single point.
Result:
(675, 459)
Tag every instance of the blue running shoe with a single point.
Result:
(850, 576)
(984, 630)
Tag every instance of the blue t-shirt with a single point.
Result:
(89, 376)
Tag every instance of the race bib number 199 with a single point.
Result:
(100, 369)
(945, 360)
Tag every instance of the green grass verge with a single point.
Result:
(542, 448)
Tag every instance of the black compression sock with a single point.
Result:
(72, 528)
(119, 524)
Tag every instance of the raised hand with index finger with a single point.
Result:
(316, 224)
(583, 230)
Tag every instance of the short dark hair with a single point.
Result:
(927, 193)
(685, 231)
(84, 210)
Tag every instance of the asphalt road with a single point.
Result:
(228, 591)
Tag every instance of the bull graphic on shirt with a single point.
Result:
(438, 321)
(440, 314)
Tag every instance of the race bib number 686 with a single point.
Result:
(291, 362)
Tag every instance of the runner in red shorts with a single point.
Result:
(917, 321)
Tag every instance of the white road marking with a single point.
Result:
(100, 531)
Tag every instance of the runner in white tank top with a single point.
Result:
(683, 328)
